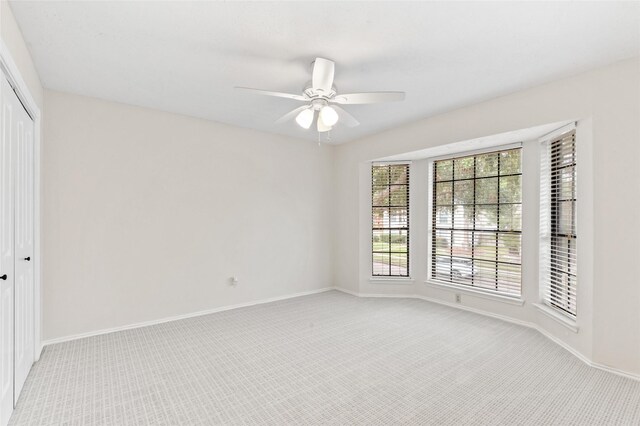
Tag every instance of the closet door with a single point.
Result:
(23, 237)
(6, 250)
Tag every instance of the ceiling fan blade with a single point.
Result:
(368, 98)
(291, 114)
(322, 77)
(346, 118)
(270, 93)
(321, 126)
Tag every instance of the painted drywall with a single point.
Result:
(12, 38)
(606, 102)
(149, 214)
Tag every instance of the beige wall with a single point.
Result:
(607, 104)
(148, 215)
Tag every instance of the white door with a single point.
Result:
(23, 237)
(7, 207)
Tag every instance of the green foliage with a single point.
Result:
(487, 191)
(444, 170)
(393, 239)
(390, 184)
(487, 165)
(510, 162)
(463, 168)
(463, 192)
(444, 193)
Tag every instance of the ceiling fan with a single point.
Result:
(321, 97)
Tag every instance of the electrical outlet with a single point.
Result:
(458, 298)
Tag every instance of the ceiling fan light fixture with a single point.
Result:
(320, 96)
(329, 116)
(305, 118)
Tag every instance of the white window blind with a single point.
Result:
(476, 229)
(390, 220)
(558, 233)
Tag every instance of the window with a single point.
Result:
(476, 230)
(558, 255)
(390, 224)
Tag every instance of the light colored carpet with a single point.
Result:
(329, 358)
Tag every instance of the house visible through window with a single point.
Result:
(390, 221)
(477, 221)
(558, 250)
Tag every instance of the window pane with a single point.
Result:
(444, 170)
(379, 175)
(566, 184)
(380, 217)
(509, 278)
(463, 217)
(380, 240)
(511, 217)
(463, 192)
(565, 218)
(443, 242)
(510, 189)
(563, 254)
(399, 264)
(398, 241)
(399, 175)
(463, 168)
(509, 248)
(398, 217)
(487, 165)
(380, 196)
(442, 267)
(398, 196)
(444, 216)
(484, 274)
(444, 192)
(510, 162)
(487, 191)
(381, 263)
(462, 271)
(462, 243)
(484, 245)
(487, 217)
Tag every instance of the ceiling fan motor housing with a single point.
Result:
(311, 93)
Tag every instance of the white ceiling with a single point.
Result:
(186, 57)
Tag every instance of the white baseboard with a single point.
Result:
(534, 326)
(179, 317)
(554, 339)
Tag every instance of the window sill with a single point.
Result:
(476, 293)
(391, 280)
(557, 316)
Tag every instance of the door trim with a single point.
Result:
(12, 73)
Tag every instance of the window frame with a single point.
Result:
(551, 221)
(433, 228)
(389, 277)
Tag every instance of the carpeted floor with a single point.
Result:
(329, 358)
